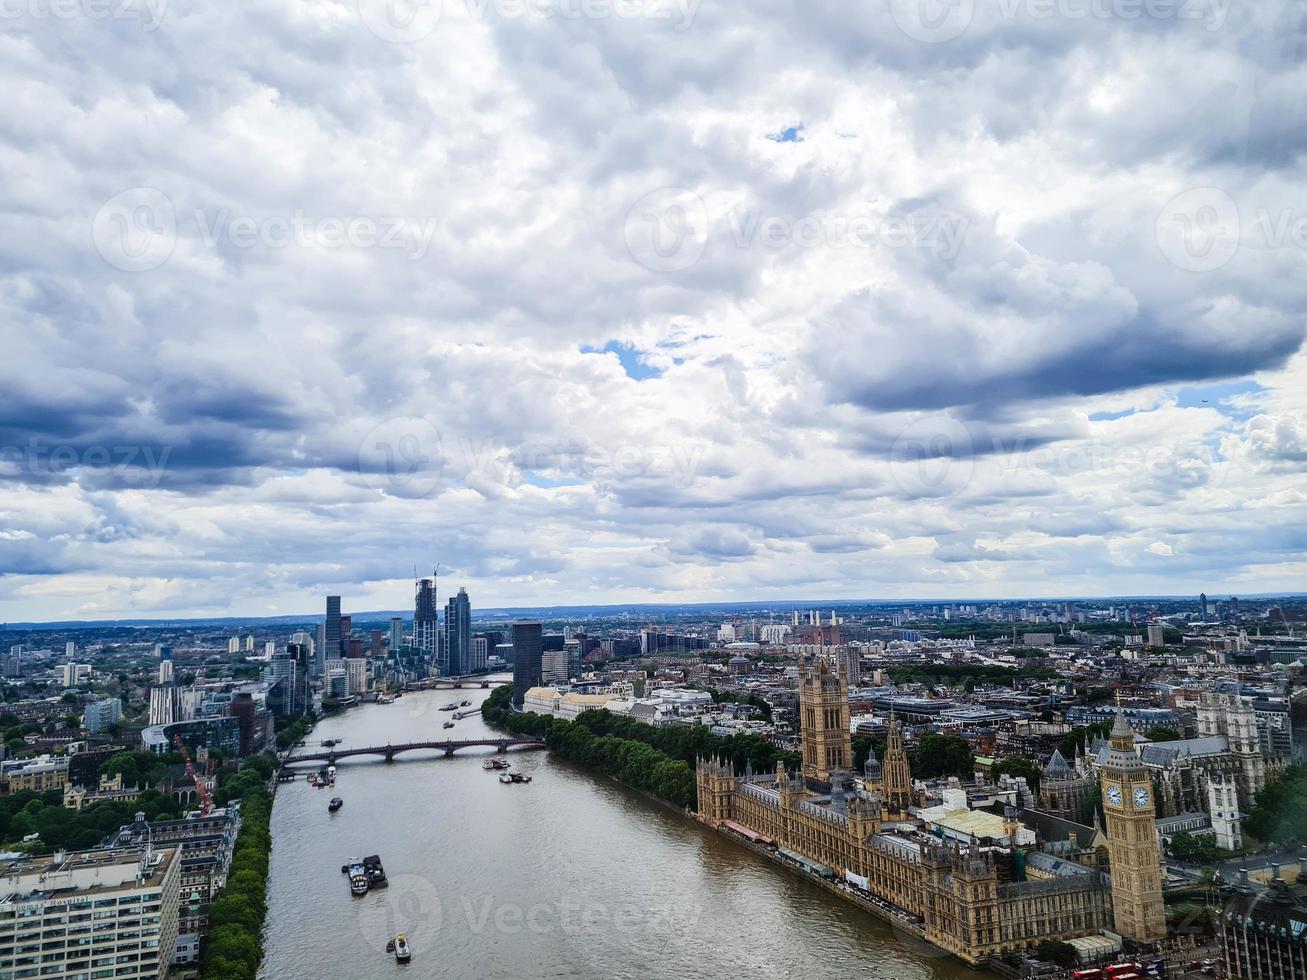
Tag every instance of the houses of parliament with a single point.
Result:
(975, 883)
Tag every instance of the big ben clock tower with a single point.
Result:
(1132, 845)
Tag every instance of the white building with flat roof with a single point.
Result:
(90, 914)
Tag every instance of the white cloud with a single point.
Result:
(931, 346)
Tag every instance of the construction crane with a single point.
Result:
(206, 801)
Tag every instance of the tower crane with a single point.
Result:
(206, 801)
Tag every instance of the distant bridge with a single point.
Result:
(453, 683)
(388, 752)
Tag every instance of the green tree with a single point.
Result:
(1162, 734)
(1194, 847)
(943, 755)
(1055, 951)
(1280, 815)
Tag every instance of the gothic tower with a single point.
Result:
(824, 718)
(1133, 852)
(897, 780)
(715, 785)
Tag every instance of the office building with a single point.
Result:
(284, 670)
(163, 705)
(331, 647)
(553, 667)
(206, 845)
(90, 914)
(458, 634)
(527, 651)
(479, 654)
(356, 670)
(99, 715)
(316, 665)
(425, 619)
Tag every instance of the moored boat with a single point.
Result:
(358, 877)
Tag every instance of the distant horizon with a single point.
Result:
(555, 611)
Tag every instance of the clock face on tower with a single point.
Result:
(1141, 798)
(1114, 795)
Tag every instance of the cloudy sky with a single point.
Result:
(609, 300)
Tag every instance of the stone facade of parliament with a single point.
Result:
(977, 891)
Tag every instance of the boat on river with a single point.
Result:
(358, 876)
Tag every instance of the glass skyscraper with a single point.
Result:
(458, 634)
(527, 649)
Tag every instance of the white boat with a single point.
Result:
(358, 876)
(402, 952)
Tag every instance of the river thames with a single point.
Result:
(571, 875)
